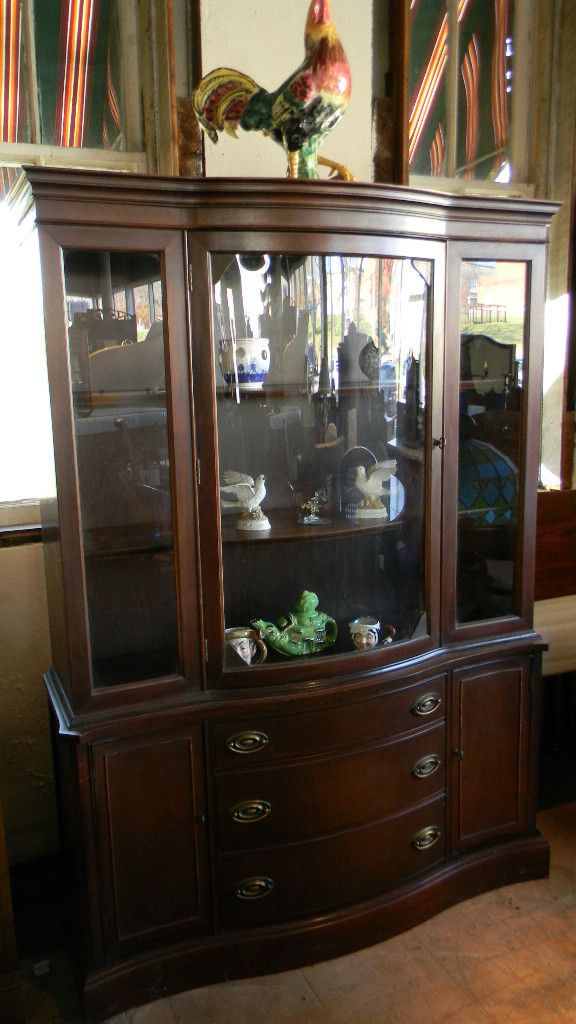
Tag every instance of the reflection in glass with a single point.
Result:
(492, 321)
(79, 53)
(320, 366)
(428, 104)
(62, 73)
(463, 135)
(116, 350)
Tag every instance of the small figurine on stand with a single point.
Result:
(371, 485)
(248, 494)
(309, 513)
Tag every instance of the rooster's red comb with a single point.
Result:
(319, 12)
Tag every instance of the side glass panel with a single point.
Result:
(116, 349)
(492, 322)
(321, 394)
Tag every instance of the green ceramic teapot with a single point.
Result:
(305, 631)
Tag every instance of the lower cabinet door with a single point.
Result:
(150, 813)
(299, 879)
(490, 752)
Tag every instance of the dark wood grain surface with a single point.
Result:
(146, 780)
(11, 1004)
(556, 544)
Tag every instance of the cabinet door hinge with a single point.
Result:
(206, 650)
(190, 278)
(198, 472)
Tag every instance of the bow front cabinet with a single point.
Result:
(289, 560)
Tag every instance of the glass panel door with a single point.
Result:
(114, 307)
(321, 365)
(492, 383)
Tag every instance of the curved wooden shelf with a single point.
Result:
(132, 539)
(291, 389)
(284, 526)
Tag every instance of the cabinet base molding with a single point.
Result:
(240, 954)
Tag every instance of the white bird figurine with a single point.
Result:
(371, 483)
(248, 495)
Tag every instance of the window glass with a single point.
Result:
(78, 68)
(479, 113)
(61, 64)
(14, 121)
(427, 112)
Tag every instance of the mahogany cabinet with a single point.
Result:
(289, 557)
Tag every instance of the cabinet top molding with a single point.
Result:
(436, 213)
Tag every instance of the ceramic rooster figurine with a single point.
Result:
(300, 113)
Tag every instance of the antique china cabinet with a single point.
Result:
(297, 713)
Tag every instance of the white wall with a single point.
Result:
(265, 39)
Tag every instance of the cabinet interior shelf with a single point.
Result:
(285, 526)
(116, 541)
(263, 395)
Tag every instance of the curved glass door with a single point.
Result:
(321, 366)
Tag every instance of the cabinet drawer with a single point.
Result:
(280, 804)
(262, 886)
(263, 738)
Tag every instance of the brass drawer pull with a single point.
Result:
(426, 766)
(250, 810)
(426, 704)
(426, 837)
(247, 742)
(254, 888)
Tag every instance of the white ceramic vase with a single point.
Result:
(245, 362)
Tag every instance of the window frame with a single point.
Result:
(149, 102)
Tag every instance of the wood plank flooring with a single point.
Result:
(508, 957)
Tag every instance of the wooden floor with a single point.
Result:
(508, 957)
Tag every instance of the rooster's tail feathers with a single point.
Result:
(220, 100)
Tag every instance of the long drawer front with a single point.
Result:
(259, 740)
(275, 884)
(282, 804)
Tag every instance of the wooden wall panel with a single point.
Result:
(555, 544)
(11, 1004)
